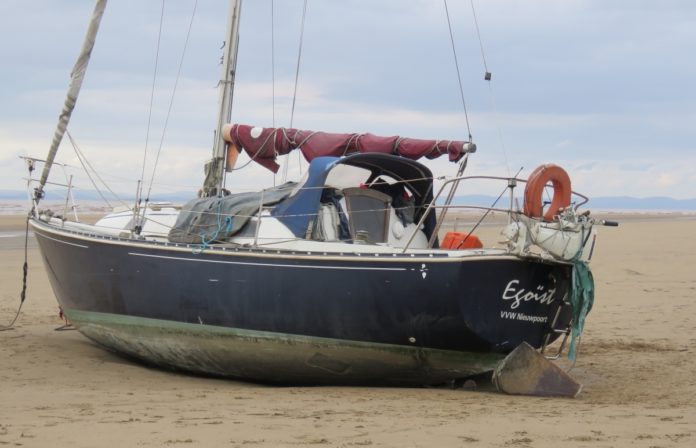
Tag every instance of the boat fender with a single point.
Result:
(563, 240)
(398, 229)
(516, 237)
(559, 179)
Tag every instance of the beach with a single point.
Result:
(636, 361)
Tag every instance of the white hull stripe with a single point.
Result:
(301, 266)
(289, 254)
(64, 242)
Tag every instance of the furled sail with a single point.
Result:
(263, 145)
(76, 77)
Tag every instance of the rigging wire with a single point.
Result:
(294, 94)
(459, 76)
(478, 223)
(89, 176)
(406, 182)
(152, 99)
(496, 118)
(171, 101)
(487, 76)
(273, 71)
(478, 34)
(273, 62)
(87, 166)
(299, 58)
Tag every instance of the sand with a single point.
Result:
(637, 362)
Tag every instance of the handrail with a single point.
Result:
(433, 204)
(511, 181)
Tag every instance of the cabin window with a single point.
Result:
(346, 176)
(368, 214)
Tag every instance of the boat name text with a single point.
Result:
(518, 295)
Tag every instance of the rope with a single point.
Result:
(25, 270)
(258, 151)
(171, 101)
(205, 243)
(459, 76)
(581, 299)
(294, 215)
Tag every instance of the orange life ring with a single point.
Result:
(533, 204)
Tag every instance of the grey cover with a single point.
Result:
(207, 220)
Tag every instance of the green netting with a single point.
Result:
(581, 298)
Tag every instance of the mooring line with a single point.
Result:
(25, 270)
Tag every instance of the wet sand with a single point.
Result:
(637, 362)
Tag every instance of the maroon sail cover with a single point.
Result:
(263, 145)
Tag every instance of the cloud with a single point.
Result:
(667, 180)
(120, 152)
(577, 83)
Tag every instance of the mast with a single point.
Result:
(77, 75)
(214, 169)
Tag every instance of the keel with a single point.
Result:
(527, 372)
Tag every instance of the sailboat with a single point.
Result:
(340, 278)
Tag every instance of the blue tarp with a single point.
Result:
(299, 210)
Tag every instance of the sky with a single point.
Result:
(605, 89)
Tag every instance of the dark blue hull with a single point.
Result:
(328, 312)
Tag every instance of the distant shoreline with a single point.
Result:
(13, 218)
(16, 207)
(12, 200)
(21, 206)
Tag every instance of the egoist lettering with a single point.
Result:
(518, 295)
